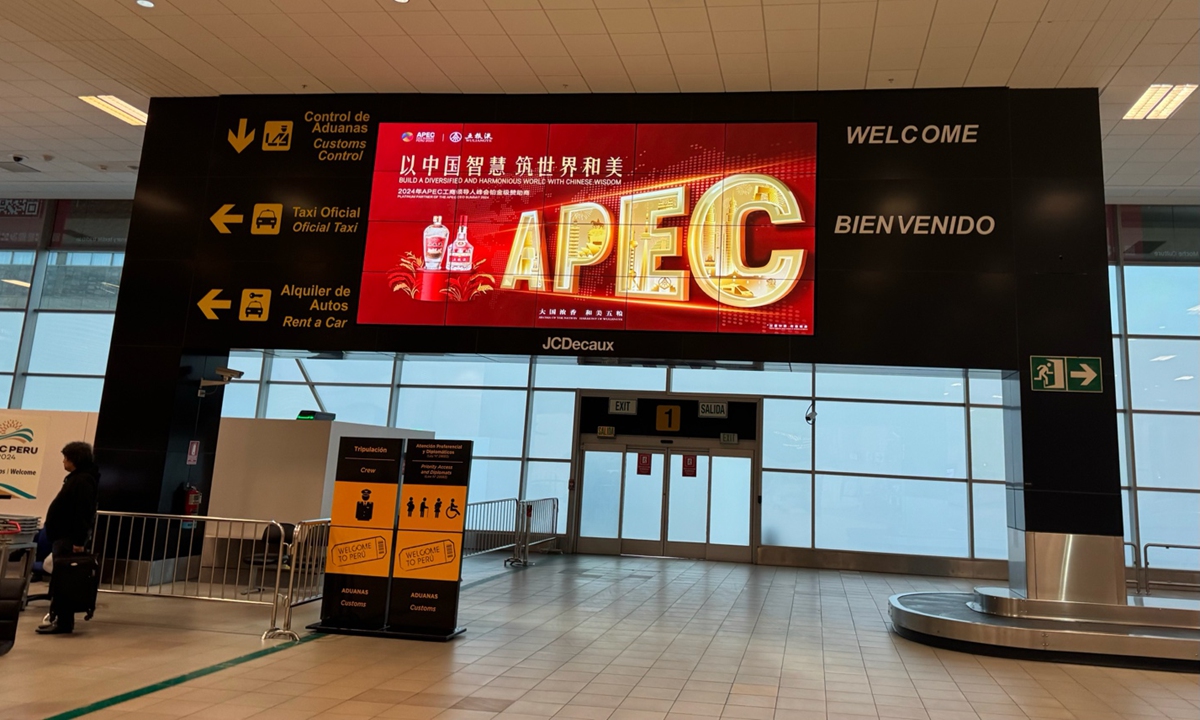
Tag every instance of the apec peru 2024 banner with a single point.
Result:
(697, 228)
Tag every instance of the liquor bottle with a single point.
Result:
(435, 240)
(462, 253)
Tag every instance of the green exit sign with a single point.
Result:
(1059, 373)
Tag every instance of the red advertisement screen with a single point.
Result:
(689, 228)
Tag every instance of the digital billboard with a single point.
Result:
(653, 227)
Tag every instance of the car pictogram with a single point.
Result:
(254, 307)
(266, 219)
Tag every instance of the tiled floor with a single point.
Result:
(645, 639)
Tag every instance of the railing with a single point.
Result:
(489, 526)
(306, 572)
(264, 562)
(1146, 582)
(537, 524)
(236, 560)
(1136, 560)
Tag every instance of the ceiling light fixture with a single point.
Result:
(145, 3)
(401, 1)
(116, 107)
(1159, 101)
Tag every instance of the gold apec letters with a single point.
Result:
(584, 238)
(717, 241)
(527, 257)
(641, 244)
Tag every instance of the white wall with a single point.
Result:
(269, 469)
(62, 427)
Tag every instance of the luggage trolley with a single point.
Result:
(16, 536)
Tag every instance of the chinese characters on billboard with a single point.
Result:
(696, 228)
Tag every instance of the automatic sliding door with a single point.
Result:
(729, 520)
(642, 503)
(600, 503)
(687, 505)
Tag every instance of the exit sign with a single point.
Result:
(1058, 373)
(622, 406)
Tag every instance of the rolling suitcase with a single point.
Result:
(74, 584)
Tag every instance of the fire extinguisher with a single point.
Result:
(192, 497)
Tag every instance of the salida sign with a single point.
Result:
(703, 228)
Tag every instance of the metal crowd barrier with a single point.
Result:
(537, 524)
(489, 526)
(306, 571)
(1145, 569)
(265, 562)
(235, 560)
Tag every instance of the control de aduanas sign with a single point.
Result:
(21, 438)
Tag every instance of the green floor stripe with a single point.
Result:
(171, 682)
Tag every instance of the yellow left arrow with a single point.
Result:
(209, 303)
(222, 219)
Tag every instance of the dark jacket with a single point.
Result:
(72, 514)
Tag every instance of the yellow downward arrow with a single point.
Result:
(209, 303)
(222, 219)
(242, 139)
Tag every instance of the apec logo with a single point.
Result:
(406, 136)
(566, 343)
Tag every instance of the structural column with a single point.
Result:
(1063, 496)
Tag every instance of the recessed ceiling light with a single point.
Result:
(1159, 101)
(145, 3)
(402, 1)
(116, 107)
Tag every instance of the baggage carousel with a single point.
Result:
(1156, 632)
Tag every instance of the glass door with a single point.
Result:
(642, 502)
(674, 503)
(600, 502)
(730, 487)
(687, 505)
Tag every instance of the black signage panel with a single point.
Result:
(354, 602)
(669, 418)
(438, 462)
(363, 459)
(361, 534)
(939, 228)
(419, 606)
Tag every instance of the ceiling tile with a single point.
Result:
(641, 44)
(735, 19)
(681, 19)
(576, 22)
(473, 22)
(791, 17)
(629, 20)
(748, 41)
(524, 22)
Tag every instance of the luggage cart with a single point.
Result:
(16, 536)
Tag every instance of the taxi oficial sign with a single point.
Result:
(1051, 373)
(20, 454)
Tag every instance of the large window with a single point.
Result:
(1156, 329)
(60, 271)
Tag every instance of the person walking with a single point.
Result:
(69, 521)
